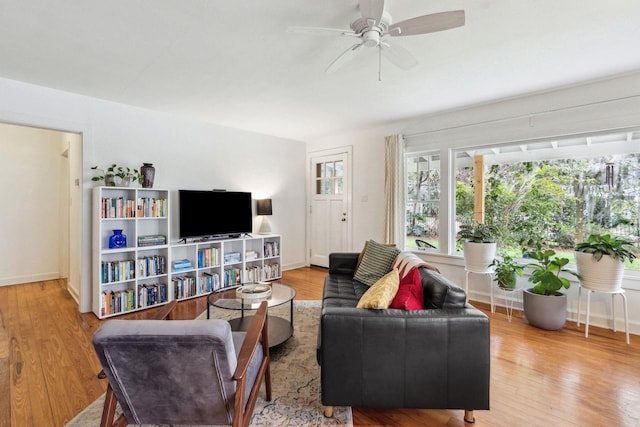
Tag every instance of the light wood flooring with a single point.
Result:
(538, 378)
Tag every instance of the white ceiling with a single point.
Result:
(232, 63)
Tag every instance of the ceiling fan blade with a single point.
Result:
(372, 9)
(317, 31)
(345, 57)
(428, 23)
(398, 56)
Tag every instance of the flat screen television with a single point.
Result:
(214, 213)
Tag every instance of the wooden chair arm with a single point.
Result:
(255, 331)
(165, 311)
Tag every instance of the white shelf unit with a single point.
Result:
(133, 277)
(216, 264)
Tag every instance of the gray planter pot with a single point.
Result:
(545, 312)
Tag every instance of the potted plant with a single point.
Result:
(507, 272)
(121, 176)
(544, 306)
(600, 261)
(478, 246)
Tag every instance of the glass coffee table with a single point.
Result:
(279, 329)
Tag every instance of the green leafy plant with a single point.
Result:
(478, 233)
(122, 172)
(604, 244)
(506, 271)
(547, 272)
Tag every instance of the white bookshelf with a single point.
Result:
(217, 264)
(134, 280)
(133, 276)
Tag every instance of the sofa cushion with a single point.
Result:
(440, 292)
(409, 295)
(381, 293)
(376, 262)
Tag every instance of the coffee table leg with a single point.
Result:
(291, 314)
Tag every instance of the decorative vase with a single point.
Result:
(110, 180)
(117, 240)
(544, 311)
(148, 174)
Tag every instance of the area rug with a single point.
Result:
(295, 377)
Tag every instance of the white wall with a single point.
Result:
(583, 108)
(31, 212)
(185, 153)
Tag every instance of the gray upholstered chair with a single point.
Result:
(183, 371)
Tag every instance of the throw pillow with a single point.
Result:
(376, 262)
(409, 295)
(405, 261)
(381, 293)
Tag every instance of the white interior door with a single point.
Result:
(329, 216)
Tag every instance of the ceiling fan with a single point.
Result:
(374, 29)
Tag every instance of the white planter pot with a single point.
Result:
(478, 256)
(604, 275)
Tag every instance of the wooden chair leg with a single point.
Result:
(328, 411)
(468, 416)
(109, 410)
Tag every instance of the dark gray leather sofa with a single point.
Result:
(436, 358)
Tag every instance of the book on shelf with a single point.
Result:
(150, 207)
(114, 302)
(250, 255)
(117, 207)
(117, 271)
(232, 257)
(182, 264)
(232, 277)
(208, 257)
(152, 240)
(153, 265)
(271, 249)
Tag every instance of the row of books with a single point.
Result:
(209, 282)
(125, 300)
(232, 277)
(143, 207)
(153, 265)
(151, 294)
(271, 249)
(258, 273)
(117, 301)
(208, 257)
(117, 271)
(186, 286)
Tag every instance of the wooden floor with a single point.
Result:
(538, 378)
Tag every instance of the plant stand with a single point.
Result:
(485, 272)
(508, 302)
(613, 308)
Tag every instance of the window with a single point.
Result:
(556, 195)
(329, 177)
(423, 200)
(556, 192)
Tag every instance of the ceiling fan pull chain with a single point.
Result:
(379, 63)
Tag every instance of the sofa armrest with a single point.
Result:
(435, 358)
(343, 263)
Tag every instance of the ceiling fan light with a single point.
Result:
(371, 38)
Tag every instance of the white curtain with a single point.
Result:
(394, 190)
